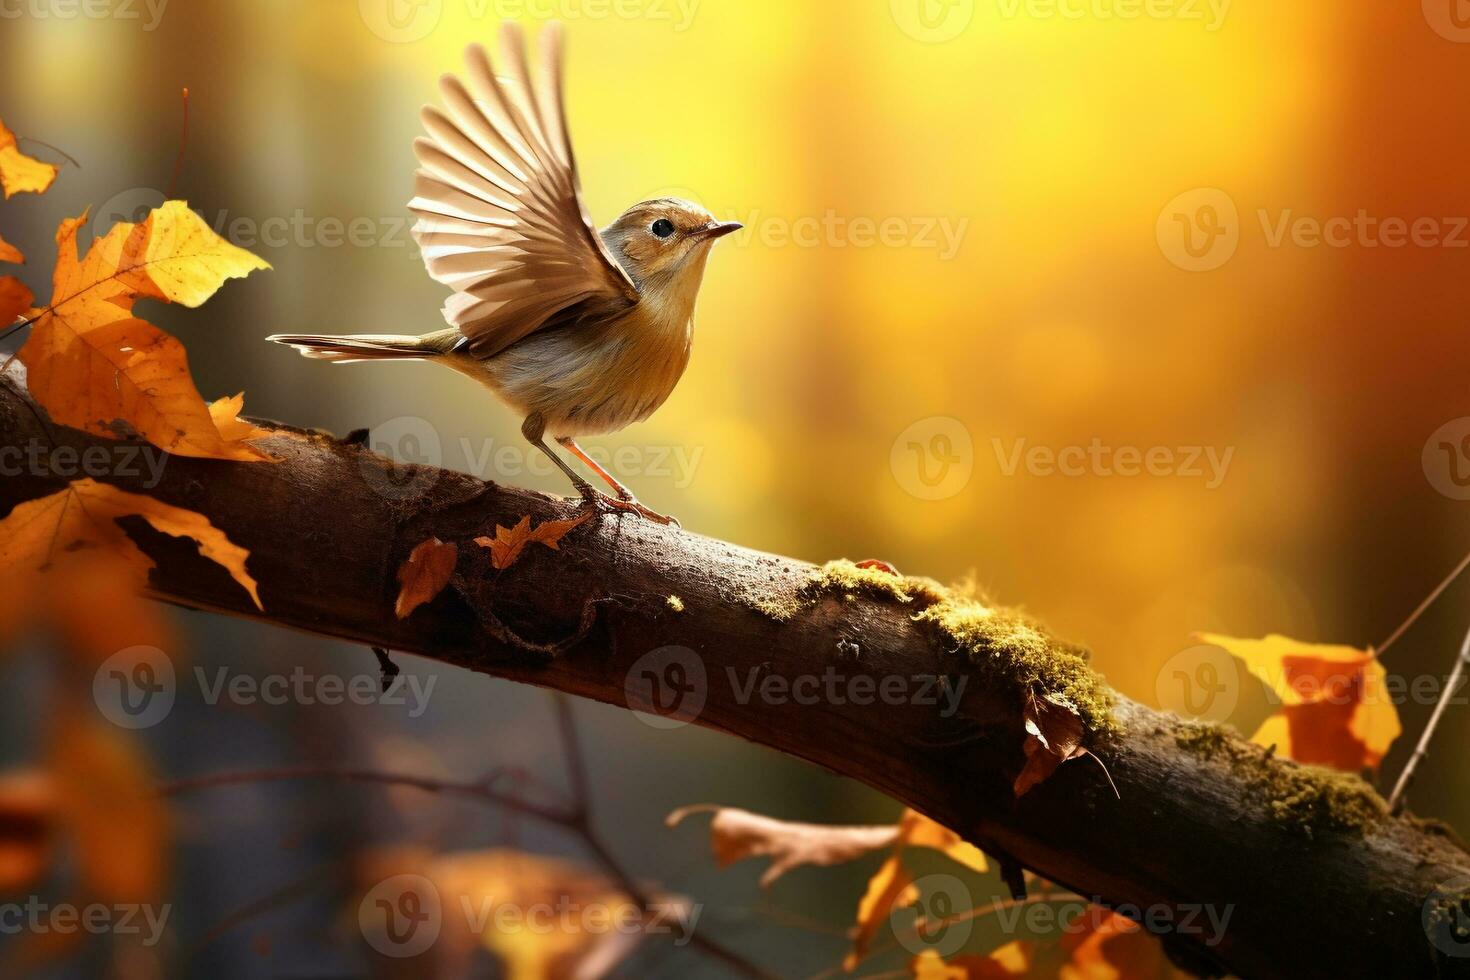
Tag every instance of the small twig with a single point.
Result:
(576, 764)
(1396, 799)
(1419, 610)
(387, 667)
(69, 158)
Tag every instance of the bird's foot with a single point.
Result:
(597, 500)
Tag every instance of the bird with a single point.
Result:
(581, 332)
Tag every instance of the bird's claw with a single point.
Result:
(601, 502)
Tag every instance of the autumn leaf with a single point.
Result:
(737, 834)
(91, 364)
(508, 543)
(9, 253)
(1053, 736)
(1012, 960)
(84, 515)
(20, 173)
(108, 809)
(424, 574)
(27, 818)
(225, 412)
(1335, 709)
(15, 299)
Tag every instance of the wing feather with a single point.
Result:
(500, 213)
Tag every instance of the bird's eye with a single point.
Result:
(663, 228)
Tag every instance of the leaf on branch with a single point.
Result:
(91, 364)
(1335, 708)
(20, 173)
(508, 543)
(83, 517)
(1053, 736)
(424, 574)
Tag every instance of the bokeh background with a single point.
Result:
(973, 227)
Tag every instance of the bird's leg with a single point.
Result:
(625, 499)
(534, 429)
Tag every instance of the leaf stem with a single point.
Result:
(1396, 800)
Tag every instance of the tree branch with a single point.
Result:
(1317, 879)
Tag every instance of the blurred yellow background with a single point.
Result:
(977, 231)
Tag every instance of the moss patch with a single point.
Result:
(995, 639)
(1307, 798)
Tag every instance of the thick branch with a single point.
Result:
(1201, 819)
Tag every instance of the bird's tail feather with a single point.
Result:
(362, 347)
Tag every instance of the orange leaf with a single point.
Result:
(508, 543)
(27, 814)
(84, 515)
(91, 364)
(739, 834)
(15, 299)
(1012, 960)
(19, 172)
(107, 805)
(424, 574)
(9, 253)
(1335, 709)
(226, 415)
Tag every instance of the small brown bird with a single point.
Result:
(581, 333)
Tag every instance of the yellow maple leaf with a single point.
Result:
(84, 515)
(509, 542)
(92, 365)
(1335, 707)
(19, 172)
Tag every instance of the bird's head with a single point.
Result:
(662, 243)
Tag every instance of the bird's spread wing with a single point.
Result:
(501, 219)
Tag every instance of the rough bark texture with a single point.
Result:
(1198, 820)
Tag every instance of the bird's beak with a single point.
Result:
(718, 229)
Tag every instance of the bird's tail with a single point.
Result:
(367, 346)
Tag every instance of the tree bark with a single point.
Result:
(330, 523)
